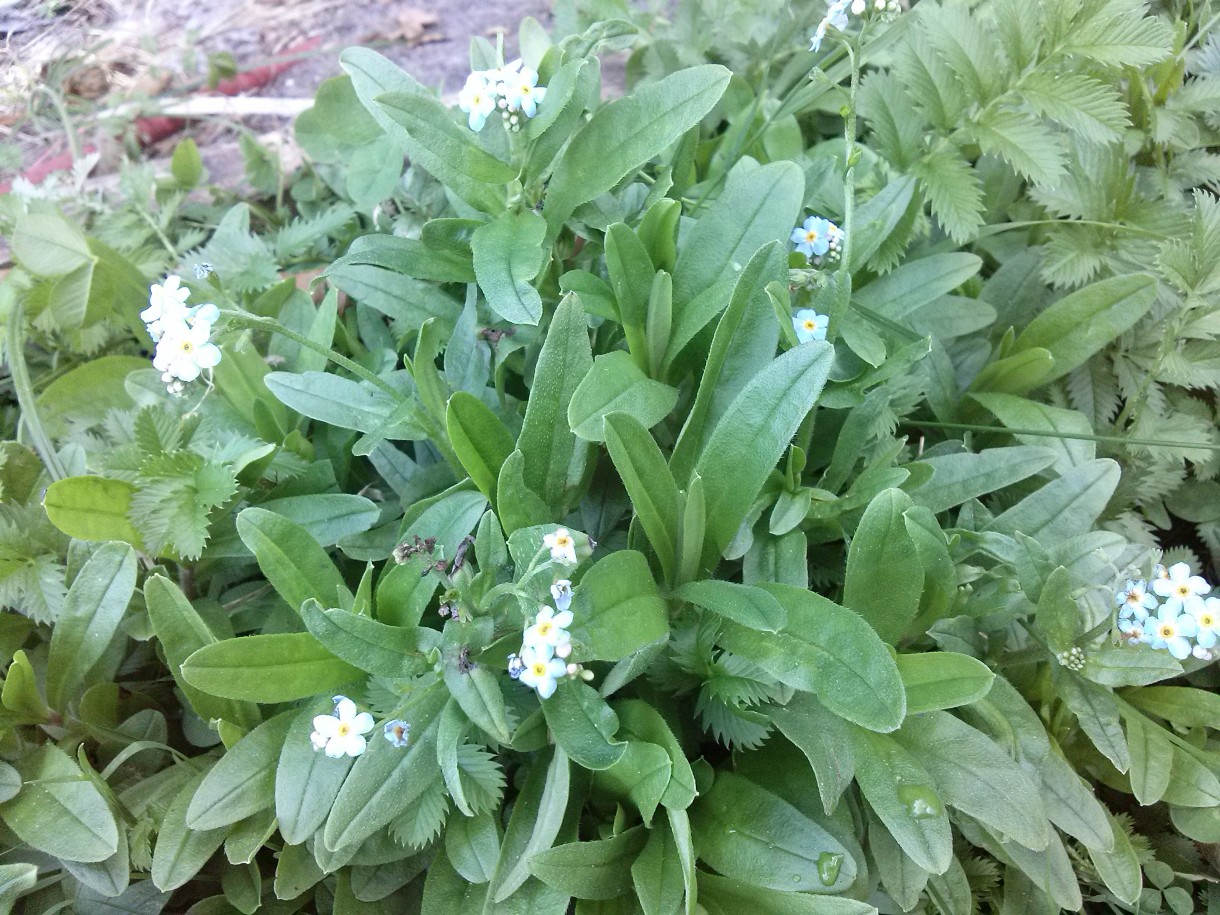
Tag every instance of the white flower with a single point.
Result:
(1181, 590)
(183, 352)
(542, 669)
(549, 628)
(1171, 631)
(166, 307)
(810, 325)
(836, 16)
(520, 88)
(1202, 653)
(342, 733)
(561, 545)
(477, 98)
(858, 7)
(1134, 601)
(561, 591)
(1207, 620)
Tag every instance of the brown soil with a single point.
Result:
(99, 54)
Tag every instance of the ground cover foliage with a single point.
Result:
(788, 487)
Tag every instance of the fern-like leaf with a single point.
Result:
(954, 191)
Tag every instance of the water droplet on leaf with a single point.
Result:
(920, 801)
(829, 865)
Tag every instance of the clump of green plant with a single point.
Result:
(627, 526)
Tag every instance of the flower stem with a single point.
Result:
(843, 298)
(1082, 436)
(242, 319)
(20, 373)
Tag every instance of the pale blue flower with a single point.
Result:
(1134, 601)
(1207, 620)
(561, 591)
(1181, 590)
(809, 325)
(542, 669)
(812, 238)
(1171, 631)
(397, 732)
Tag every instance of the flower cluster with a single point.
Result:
(836, 16)
(818, 238)
(342, 733)
(513, 88)
(1185, 613)
(547, 645)
(182, 333)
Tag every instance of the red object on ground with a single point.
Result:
(154, 129)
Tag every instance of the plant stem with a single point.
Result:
(843, 300)
(242, 319)
(15, 354)
(1082, 436)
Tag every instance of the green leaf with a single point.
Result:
(721, 896)
(174, 496)
(438, 144)
(953, 189)
(747, 833)
(182, 631)
(1130, 666)
(306, 781)
(48, 245)
(86, 393)
(1019, 413)
(295, 565)
(336, 401)
(537, 816)
(1019, 373)
(327, 517)
(92, 508)
(96, 604)
(958, 478)
(59, 811)
(824, 739)
(649, 484)
(642, 774)
(584, 725)
(1072, 806)
(631, 274)
(279, 667)
(1077, 326)
(1120, 868)
(479, 438)
(942, 679)
(903, 795)
(508, 253)
(828, 650)
(752, 435)
(477, 691)
(396, 652)
(185, 164)
(243, 780)
(182, 852)
(978, 778)
(1066, 507)
(617, 608)
(386, 780)
(626, 133)
(717, 382)
(640, 720)
(905, 289)
(616, 385)
(758, 206)
(883, 551)
(15, 881)
(517, 505)
(658, 873)
(599, 869)
(746, 605)
(1184, 706)
(472, 845)
(546, 441)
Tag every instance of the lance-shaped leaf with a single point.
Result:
(508, 253)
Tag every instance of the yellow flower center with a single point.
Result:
(1166, 631)
(811, 236)
(1135, 597)
(538, 669)
(1207, 620)
(544, 628)
(1184, 591)
(343, 730)
(187, 346)
(563, 541)
(811, 325)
